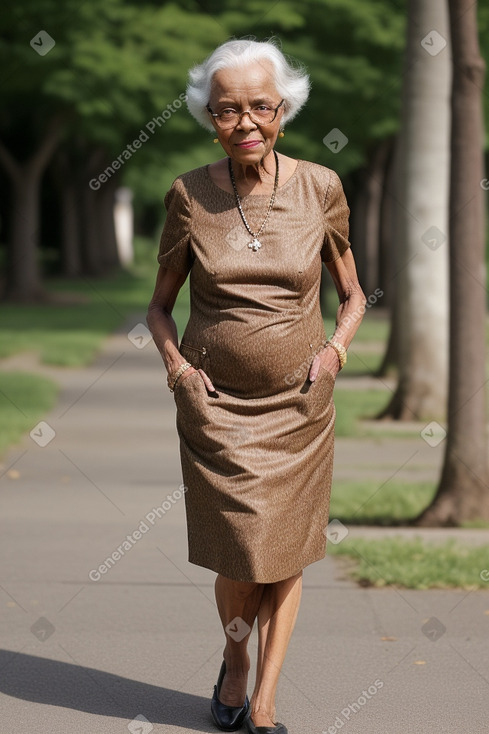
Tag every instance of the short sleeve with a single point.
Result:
(337, 224)
(175, 250)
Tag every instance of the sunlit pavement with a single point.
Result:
(106, 627)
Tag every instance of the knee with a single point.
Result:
(286, 584)
(243, 590)
(239, 590)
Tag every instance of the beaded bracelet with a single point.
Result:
(340, 351)
(173, 379)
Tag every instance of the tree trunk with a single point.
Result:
(100, 254)
(64, 174)
(23, 282)
(424, 172)
(389, 257)
(357, 226)
(91, 236)
(90, 229)
(387, 249)
(463, 491)
(391, 354)
(70, 247)
(374, 187)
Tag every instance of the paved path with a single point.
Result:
(83, 653)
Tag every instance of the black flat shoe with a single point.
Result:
(228, 718)
(277, 729)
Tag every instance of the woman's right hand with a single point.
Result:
(207, 382)
(188, 371)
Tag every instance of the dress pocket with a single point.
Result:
(191, 402)
(197, 356)
(328, 378)
(325, 381)
(317, 397)
(183, 380)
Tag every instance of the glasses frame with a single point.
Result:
(216, 117)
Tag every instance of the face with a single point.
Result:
(242, 89)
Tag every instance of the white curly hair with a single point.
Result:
(291, 80)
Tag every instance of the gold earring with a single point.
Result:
(281, 134)
(216, 140)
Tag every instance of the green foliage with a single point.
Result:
(353, 52)
(114, 66)
(118, 64)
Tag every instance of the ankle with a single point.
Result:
(261, 718)
(262, 706)
(237, 664)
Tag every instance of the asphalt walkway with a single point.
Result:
(134, 644)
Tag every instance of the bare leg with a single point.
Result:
(242, 600)
(276, 619)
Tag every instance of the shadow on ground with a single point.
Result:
(56, 683)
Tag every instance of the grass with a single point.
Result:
(69, 331)
(354, 405)
(362, 363)
(410, 563)
(24, 399)
(374, 502)
(414, 564)
(374, 328)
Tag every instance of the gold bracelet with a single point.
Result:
(340, 351)
(173, 379)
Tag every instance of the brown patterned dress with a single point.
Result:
(257, 456)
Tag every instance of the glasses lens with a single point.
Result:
(261, 116)
(227, 121)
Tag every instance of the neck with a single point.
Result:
(261, 172)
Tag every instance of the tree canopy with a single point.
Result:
(117, 66)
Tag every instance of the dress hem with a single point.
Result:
(247, 579)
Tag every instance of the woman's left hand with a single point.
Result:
(326, 359)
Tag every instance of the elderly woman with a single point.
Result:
(253, 374)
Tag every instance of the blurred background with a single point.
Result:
(94, 129)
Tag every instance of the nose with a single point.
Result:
(245, 122)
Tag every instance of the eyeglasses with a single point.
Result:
(259, 115)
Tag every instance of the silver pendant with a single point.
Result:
(255, 245)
